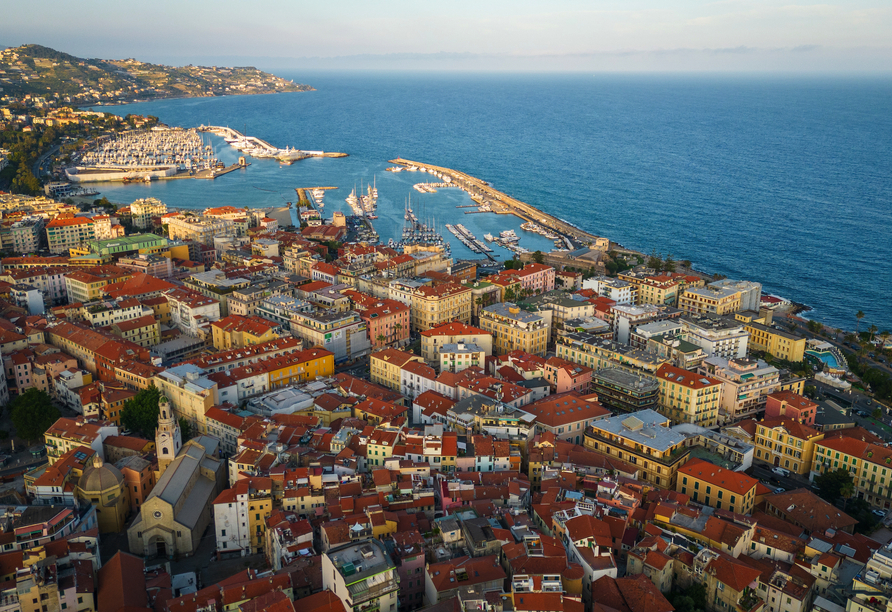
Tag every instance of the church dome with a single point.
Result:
(100, 476)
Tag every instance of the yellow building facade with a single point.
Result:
(688, 397)
(776, 342)
(386, 366)
(786, 443)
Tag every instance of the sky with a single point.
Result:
(734, 35)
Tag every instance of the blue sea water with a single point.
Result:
(783, 180)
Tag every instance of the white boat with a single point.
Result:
(488, 237)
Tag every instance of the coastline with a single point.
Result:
(158, 99)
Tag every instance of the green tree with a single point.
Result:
(185, 429)
(513, 264)
(381, 338)
(859, 315)
(654, 261)
(834, 484)
(538, 257)
(510, 295)
(873, 332)
(140, 413)
(32, 413)
(669, 263)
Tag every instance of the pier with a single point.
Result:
(468, 239)
(501, 202)
(256, 147)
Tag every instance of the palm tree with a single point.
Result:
(873, 332)
(396, 330)
(381, 338)
(859, 316)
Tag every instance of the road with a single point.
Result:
(804, 331)
(763, 472)
(36, 168)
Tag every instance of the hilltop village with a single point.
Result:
(231, 415)
(215, 410)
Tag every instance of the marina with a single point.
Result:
(499, 202)
(257, 148)
(468, 239)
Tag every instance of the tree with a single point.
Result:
(510, 295)
(381, 338)
(834, 484)
(859, 315)
(185, 429)
(538, 257)
(140, 413)
(32, 413)
(654, 261)
(669, 263)
(873, 332)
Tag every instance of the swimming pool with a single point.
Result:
(825, 356)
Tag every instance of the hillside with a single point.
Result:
(41, 71)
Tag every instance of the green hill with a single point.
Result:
(41, 71)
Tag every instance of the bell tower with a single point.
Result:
(168, 440)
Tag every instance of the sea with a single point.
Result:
(785, 180)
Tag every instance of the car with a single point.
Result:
(780, 490)
(780, 471)
(878, 513)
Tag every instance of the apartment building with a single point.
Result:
(433, 306)
(750, 292)
(201, 230)
(776, 342)
(710, 300)
(459, 357)
(142, 211)
(345, 334)
(190, 393)
(26, 235)
(235, 331)
(746, 384)
(715, 486)
(216, 285)
(620, 291)
(689, 397)
(643, 439)
(362, 575)
(388, 323)
(191, 312)
(660, 290)
(514, 329)
(624, 391)
(85, 285)
(453, 333)
(599, 353)
(64, 234)
(66, 434)
(786, 443)
(717, 336)
(870, 466)
(240, 516)
(385, 366)
(536, 278)
(790, 405)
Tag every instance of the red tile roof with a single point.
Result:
(718, 476)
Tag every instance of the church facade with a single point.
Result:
(179, 509)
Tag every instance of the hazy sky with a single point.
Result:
(574, 34)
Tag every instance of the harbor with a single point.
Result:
(498, 202)
(148, 155)
(468, 239)
(261, 149)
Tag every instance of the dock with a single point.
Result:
(256, 147)
(468, 239)
(502, 203)
(213, 173)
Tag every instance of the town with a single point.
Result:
(213, 410)
(220, 413)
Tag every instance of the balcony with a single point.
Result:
(360, 593)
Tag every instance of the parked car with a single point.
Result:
(879, 513)
(781, 471)
(780, 490)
